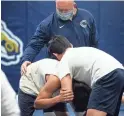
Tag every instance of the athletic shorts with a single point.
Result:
(107, 92)
(26, 104)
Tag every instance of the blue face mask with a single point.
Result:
(65, 16)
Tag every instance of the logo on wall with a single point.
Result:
(11, 47)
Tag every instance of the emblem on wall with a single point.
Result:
(11, 46)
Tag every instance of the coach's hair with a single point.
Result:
(58, 44)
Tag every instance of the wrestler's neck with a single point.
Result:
(59, 57)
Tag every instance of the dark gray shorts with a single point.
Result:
(107, 93)
(26, 103)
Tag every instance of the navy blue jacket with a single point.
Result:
(81, 31)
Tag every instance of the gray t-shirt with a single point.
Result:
(34, 79)
(87, 64)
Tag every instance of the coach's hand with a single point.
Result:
(24, 67)
(66, 95)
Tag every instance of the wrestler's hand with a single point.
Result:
(66, 95)
(24, 67)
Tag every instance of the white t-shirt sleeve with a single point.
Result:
(9, 105)
(63, 68)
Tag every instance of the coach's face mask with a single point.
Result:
(65, 16)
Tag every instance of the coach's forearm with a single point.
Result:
(29, 54)
(46, 103)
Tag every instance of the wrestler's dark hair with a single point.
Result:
(58, 44)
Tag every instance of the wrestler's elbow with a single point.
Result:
(38, 104)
